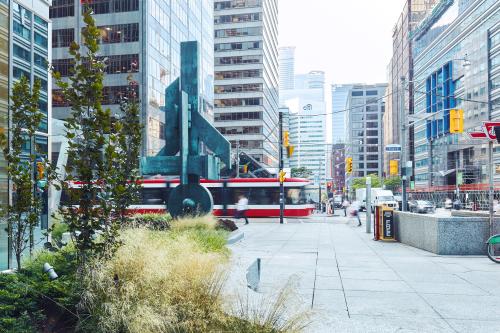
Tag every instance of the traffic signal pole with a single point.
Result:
(402, 121)
(282, 188)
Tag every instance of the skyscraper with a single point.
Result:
(364, 130)
(340, 94)
(141, 39)
(24, 29)
(401, 64)
(246, 76)
(287, 67)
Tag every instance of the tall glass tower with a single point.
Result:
(141, 39)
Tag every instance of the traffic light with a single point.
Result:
(245, 168)
(286, 139)
(393, 167)
(456, 121)
(282, 175)
(39, 170)
(329, 186)
(348, 165)
(289, 151)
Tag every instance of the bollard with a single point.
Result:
(253, 275)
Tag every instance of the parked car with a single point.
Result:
(421, 206)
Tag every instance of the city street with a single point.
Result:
(354, 284)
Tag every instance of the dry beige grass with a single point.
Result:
(155, 284)
(172, 282)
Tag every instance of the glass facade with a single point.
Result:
(141, 38)
(246, 73)
(365, 104)
(466, 30)
(28, 41)
(4, 111)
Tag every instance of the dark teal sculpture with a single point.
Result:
(185, 130)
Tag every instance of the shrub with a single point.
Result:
(150, 221)
(58, 229)
(155, 283)
(29, 300)
(226, 224)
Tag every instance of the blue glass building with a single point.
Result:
(456, 52)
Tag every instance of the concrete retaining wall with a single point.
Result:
(444, 235)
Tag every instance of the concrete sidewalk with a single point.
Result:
(354, 284)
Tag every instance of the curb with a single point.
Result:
(235, 236)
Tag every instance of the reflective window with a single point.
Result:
(237, 46)
(112, 6)
(62, 37)
(238, 18)
(251, 31)
(21, 53)
(120, 33)
(41, 40)
(62, 8)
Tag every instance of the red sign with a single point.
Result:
(489, 129)
(477, 135)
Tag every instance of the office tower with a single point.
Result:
(340, 93)
(364, 130)
(286, 67)
(246, 76)
(25, 30)
(401, 64)
(140, 39)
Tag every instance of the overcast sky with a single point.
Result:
(351, 40)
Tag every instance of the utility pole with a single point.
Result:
(319, 187)
(403, 144)
(282, 188)
(368, 198)
(237, 158)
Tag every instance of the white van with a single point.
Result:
(383, 197)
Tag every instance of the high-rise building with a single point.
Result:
(287, 67)
(246, 76)
(312, 80)
(140, 39)
(364, 131)
(338, 173)
(340, 94)
(25, 30)
(401, 64)
(307, 124)
(456, 56)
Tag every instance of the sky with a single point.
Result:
(351, 40)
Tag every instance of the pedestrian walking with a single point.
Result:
(241, 208)
(355, 208)
(345, 205)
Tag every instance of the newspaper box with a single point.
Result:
(384, 223)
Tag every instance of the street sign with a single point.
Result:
(489, 129)
(477, 135)
(393, 148)
(460, 178)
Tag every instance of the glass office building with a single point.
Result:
(24, 51)
(141, 39)
(456, 65)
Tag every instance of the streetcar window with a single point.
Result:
(216, 194)
(264, 196)
(153, 196)
(235, 193)
(295, 196)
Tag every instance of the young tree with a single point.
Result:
(301, 172)
(26, 170)
(361, 182)
(102, 151)
(393, 183)
(126, 191)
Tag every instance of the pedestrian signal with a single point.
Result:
(282, 175)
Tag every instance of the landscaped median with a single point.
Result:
(163, 278)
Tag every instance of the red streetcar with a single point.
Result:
(262, 194)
